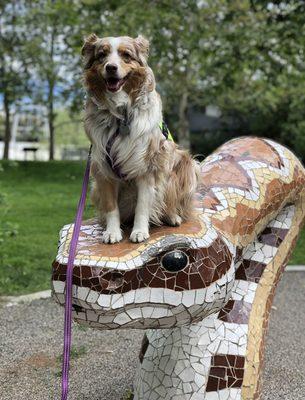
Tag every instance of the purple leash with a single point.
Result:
(69, 274)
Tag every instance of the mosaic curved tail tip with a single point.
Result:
(221, 356)
(206, 322)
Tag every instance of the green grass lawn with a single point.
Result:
(42, 198)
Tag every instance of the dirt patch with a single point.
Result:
(41, 360)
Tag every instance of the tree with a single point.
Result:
(49, 23)
(264, 81)
(13, 65)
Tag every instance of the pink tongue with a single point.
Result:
(113, 85)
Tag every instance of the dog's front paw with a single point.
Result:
(112, 236)
(138, 235)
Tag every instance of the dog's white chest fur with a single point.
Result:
(127, 151)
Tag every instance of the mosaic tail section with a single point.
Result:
(203, 290)
(276, 242)
(221, 356)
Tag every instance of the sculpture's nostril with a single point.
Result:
(116, 280)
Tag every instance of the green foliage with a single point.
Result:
(49, 24)
(263, 83)
(128, 395)
(76, 352)
(13, 59)
(246, 57)
(70, 130)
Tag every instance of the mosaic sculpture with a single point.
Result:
(203, 290)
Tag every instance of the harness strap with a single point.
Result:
(165, 131)
(112, 161)
(69, 275)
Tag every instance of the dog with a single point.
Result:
(137, 171)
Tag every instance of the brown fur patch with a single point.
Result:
(103, 48)
(176, 175)
(88, 50)
(181, 185)
(104, 192)
(135, 81)
(142, 45)
(95, 82)
(127, 52)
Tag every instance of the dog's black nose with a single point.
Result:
(111, 68)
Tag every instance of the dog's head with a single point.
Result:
(113, 64)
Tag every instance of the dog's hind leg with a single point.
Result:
(173, 219)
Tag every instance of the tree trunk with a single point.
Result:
(7, 132)
(51, 118)
(51, 84)
(183, 123)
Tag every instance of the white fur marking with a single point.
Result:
(113, 232)
(142, 214)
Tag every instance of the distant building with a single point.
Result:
(205, 120)
(209, 129)
(29, 128)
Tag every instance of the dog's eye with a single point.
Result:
(101, 56)
(126, 56)
(174, 261)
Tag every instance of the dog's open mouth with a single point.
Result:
(114, 84)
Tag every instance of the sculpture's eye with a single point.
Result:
(174, 261)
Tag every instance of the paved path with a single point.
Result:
(103, 362)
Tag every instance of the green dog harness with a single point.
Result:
(165, 131)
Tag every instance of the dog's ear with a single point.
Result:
(88, 50)
(142, 46)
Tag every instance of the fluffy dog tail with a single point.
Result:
(182, 186)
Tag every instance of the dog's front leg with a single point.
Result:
(145, 199)
(109, 200)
